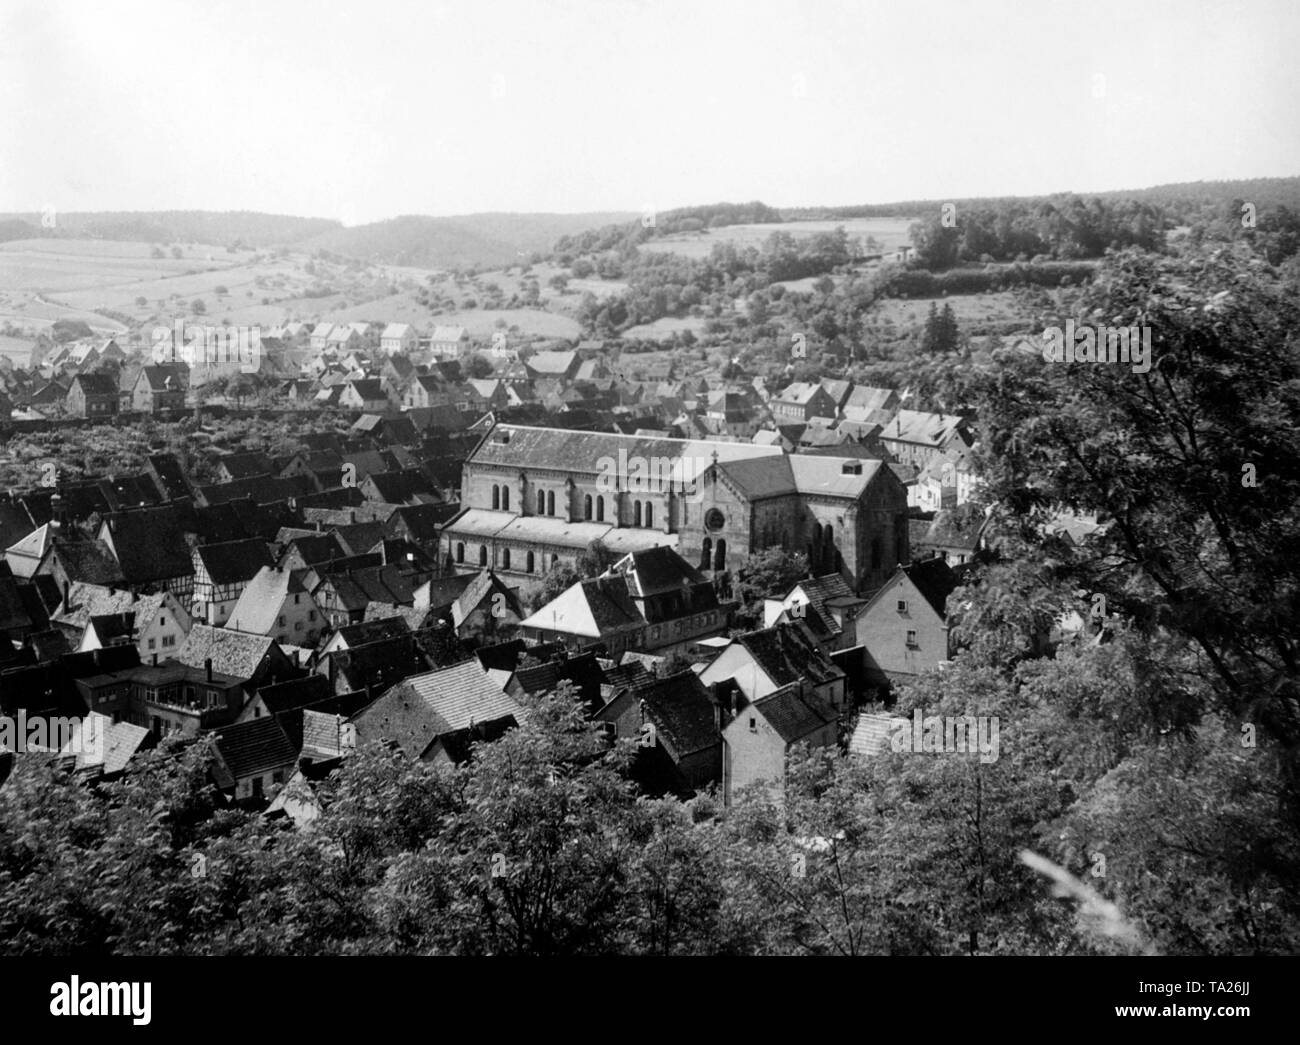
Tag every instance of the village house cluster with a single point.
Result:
(383, 583)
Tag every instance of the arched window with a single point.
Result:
(649, 514)
(505, 558)
(706, 549)
(586, 507)
(482, 554)
(550, 503)
(600, 509)
(720, 555)
(529, 562)
(496, 497)
(460, 551)
(828, 550)
(505, 498)
(541, 502)
(555, 560)
(636, 513)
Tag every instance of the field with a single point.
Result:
(890, 233)
(45, 280)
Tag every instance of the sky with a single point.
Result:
(360, 112)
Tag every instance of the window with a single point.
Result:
(505, 558)
(505, 498)
(600, 509)
(460, 551)
(162, 621)
(720, 556)
(297, 625)
(281, 620)
(911, 639)
(529, 562)
(636, 513)
(169, 640)
(496, 498)
(297, 598)
(311, 616)
(153, 643)
(649, 514)
(257, 787)
(902, 605)
(706, 549)
(541, 502)
(277, 777)
(753, 724)
(550, 503)
(482, 554)
(586, 507)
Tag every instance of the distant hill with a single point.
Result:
(250, 228)
(474, 239)
(1178, 199)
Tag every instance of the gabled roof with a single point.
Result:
(260, 602)
(396, 330)
(589, 608)
(233, 561)
(150, 543)
(89, 561)
(799, 393)
(420, 709)
(787, 654)
(373, 631)
(551, 362)
(656, 570)
(245, 465)
(449, 333)
(928, 429)
(255, 747)
(485, 586)
(681, 710)
(792, 716)
(582, 670)
(97, 384)
(935, 581)
(234, 653)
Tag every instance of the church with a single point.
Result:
(533, 497)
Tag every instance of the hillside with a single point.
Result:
(473, 239)
(251, 228)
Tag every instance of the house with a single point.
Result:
(399, 337)
(345, 338)
(826, 605)
(905, 625)
(373, 666)
(955, 535)
(253, 757)
(252, 659)
(759, 739)
(150, 548)
(93, 396)
(221, 572)
(367, 395)
(484, 607)
(448, 341)
(320, 336)
(650, 600)
(801, 401)
(277, 604)
(156, 389)
(114, 745)
(759, 663)
(157, 624)
(916, 437)
(171, 697)
(436, 716)
(562, 366)
(865, 404)
(69, 561)
(677, 726)
(233, 467)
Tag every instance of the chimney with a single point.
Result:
(207, 668)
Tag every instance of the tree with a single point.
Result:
(198, 307)
(768, 574)
(480, 366)
(64, 330)
(595, 560)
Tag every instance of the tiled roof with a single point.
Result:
(871, 736)
(233, 653)
(786, 655)
(582, 670)
(681, 710)
(261, 601)
(150, 543)
(794, 717)
(88, 561)
(245, 465)
(233, 561)
(379, 664)
(255, 747)
(419, 710)
(284, 697)
(373, 631)
(934, 580)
